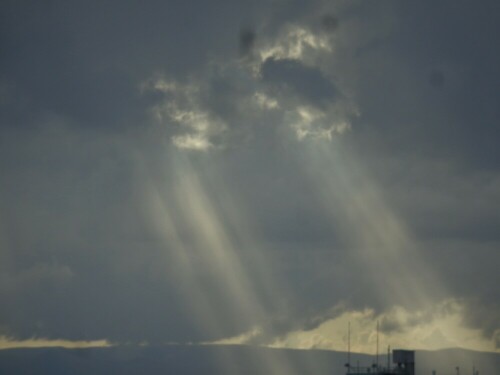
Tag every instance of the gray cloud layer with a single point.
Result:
(83, 253)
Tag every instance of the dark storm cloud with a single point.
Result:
(453, 120)
(246, 41)
(85, 61)
(438, 137)
(288, 74)
(49, 70)
(81, 257)
(330, 22)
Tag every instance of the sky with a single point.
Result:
(250, 172)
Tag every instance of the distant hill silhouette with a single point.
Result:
(206, 360)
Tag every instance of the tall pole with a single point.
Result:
(349, 347)
(376, 357)
(388, 357)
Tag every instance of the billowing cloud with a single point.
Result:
(183, 108)
(438, 327)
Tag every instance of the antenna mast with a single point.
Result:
(388, 357)
(376, 360)
(348, 347)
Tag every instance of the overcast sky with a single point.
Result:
(250, 172)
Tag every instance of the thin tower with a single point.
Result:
(388, 357)
(376, 357)
(348, 347)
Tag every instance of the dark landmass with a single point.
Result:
(210, 360)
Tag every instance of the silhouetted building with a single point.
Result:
(403, 364)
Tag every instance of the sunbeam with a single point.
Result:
(209, 245)
(376, 237)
